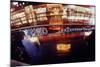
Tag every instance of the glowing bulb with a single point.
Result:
(23, 3)
(15, 3)
(34, 39)
(88, 33)
(20, 4)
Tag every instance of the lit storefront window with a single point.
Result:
(64, 14)
(41, 17)
(41, 14)
(30, 14)
(41, 10)
(77, 13)
(18, 23)
(18, 17)
(55, 14)
(63, 48)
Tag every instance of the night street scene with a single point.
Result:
(51, 33)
